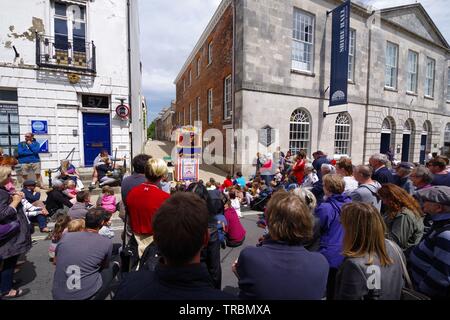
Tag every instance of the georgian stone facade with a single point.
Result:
(269, 90)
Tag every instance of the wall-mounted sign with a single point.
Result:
(123, 111)
(39, 126)
(90, 101)
(267, 136)
(43, 143)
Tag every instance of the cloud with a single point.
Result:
(169, 32)
(438, 10)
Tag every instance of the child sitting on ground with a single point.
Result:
(62, 221)
(235, 232)
(71, 190)
(108, 200)
(221, 228)
(106, 230)
(76, 225)
(235, 203)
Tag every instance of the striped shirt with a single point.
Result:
(430, 260)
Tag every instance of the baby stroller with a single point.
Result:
(259, 204)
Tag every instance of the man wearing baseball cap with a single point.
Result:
(430, 259)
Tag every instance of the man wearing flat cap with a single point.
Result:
(401, 177)
(430, 259)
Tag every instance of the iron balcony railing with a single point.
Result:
(61, 53)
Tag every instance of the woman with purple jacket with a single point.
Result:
(331, 232)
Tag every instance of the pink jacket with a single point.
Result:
(236, 231)
(109, 203)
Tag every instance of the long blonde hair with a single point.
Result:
(364, 231)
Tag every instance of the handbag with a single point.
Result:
(8, 230)
(408, 291)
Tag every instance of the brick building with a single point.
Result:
(204, 87)
(280, 51)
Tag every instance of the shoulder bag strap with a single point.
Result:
(399, 253)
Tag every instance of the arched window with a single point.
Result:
(408, 128)
(386, 126)
(342, 135)
(427, 130)
(446, 150)
(300, 132)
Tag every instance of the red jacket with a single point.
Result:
(299, 170)
(142, 202)
(227, 183)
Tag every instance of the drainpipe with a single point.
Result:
(130, 95)
(369, 60)
(233, 87)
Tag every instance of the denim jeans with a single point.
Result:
(41, 220)
(7, 273)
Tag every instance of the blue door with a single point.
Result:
(405, 147)
(423, 146)
(385, 144)
(97, 136)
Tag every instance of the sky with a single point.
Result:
(169, 33)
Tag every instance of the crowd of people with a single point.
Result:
(330, 230)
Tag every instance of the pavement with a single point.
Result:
(37, 272)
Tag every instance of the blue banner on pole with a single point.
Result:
(339, 54)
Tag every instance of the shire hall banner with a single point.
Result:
(339, 54)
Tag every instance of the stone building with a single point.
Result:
(280, 52)
(64, 67)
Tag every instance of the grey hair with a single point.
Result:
(380, 157)
(329, 168)
(307, 197)
(424, 173)
(57, 183)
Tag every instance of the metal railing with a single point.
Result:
(64, 54)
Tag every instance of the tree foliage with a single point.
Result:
(151, 130)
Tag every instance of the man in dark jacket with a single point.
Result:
(180, 231)
(56, 199)
(320, 158)
(381, 173)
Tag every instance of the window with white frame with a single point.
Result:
(448, 85)
(70, 27)
(429, 78)
(199, 66)
(198, 108)
(190, 77)
(210, 53)
(447, 135)
(184, 85)
(210, 105)
(391, 65)
(303, 41)
(184, 116)
(342, 135)
(351, 55)
(227, 103)
(300, 132)
(412, 71)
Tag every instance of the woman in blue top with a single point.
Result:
(331, 232)
(240, 180)
(281, 268)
